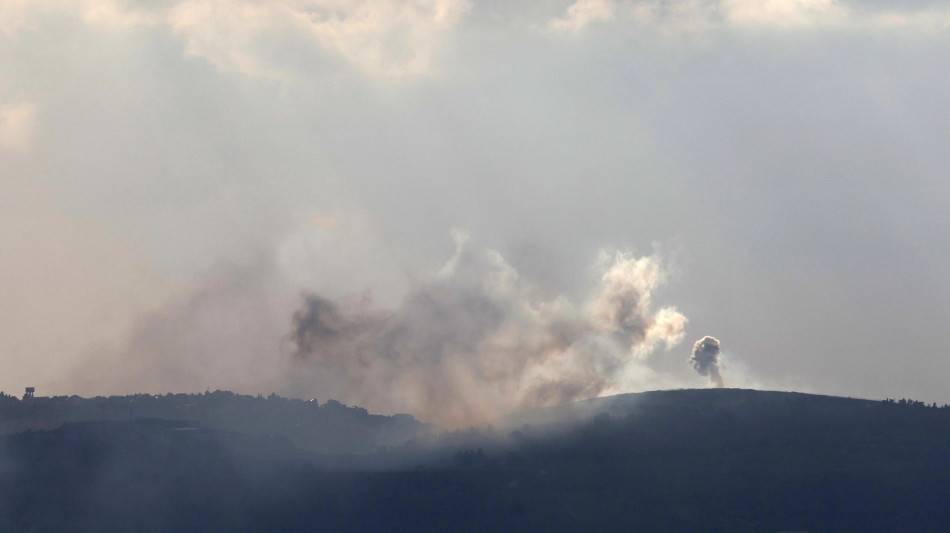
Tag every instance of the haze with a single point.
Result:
(175, 175)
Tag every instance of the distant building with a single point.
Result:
(30, 397)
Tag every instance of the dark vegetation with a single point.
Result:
(328, 428)
(691, 460)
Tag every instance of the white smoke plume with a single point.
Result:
(705, 360)
(474, 342)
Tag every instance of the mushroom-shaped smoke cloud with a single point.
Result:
(475, 342)
(705, 359)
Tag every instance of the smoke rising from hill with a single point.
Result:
(705, 359)
(475, 341)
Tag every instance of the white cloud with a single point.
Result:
(385, 38)
(381, 38)
(224, 33)
(582, 13)
(783, 13)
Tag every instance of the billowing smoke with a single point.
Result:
(705, 359)
(476, 341)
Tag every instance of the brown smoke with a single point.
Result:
(474, 343)
(705, 359)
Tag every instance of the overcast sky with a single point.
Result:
(174, 174)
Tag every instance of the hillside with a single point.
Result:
(330, 427)
(689, 460)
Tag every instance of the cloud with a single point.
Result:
(773, 15)
(931, 19)
(780, 145)
(275, 39)
(475, 341)
(582, 13)
(386, 39)
(26, 16)
(783, 13)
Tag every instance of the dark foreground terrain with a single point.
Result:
(330, 427)
(692, 460)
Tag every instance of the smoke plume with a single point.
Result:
(475, 341)
(705, 359)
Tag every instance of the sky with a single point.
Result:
(180, 180)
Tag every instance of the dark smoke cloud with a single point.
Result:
(475, 341)
(705, 359)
